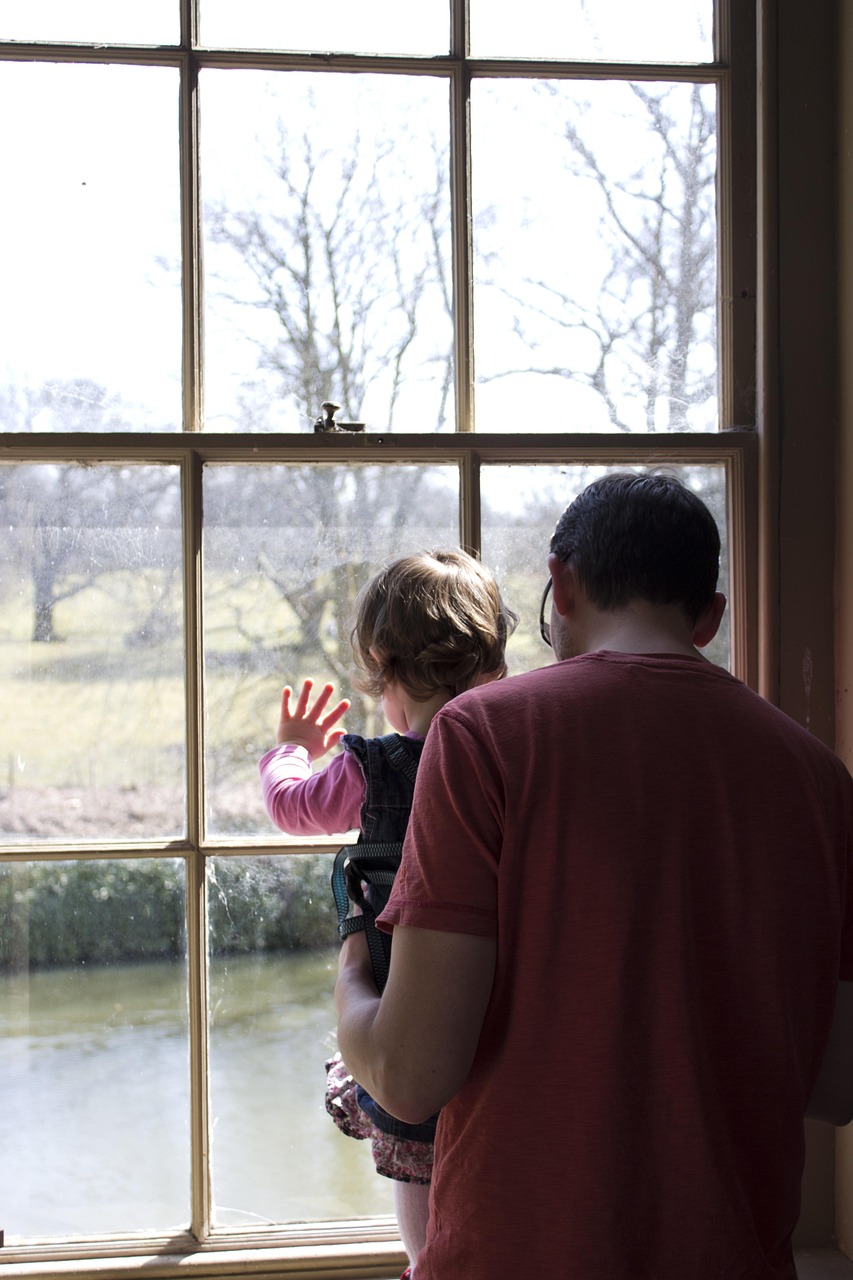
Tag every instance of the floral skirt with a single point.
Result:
(402, 1159)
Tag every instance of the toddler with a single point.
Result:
(427, 627)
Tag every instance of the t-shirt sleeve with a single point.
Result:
(448, 876)
(303, 803)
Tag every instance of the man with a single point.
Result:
(623, 914)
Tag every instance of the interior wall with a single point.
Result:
(844, 502)
(799, 371)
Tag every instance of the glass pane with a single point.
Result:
(595, 259)
(277, 1156)
(91, 658)
(286, 549)
(606, 31)
(90, 310)
(520, 509)
(94, 1055)
(100, 21)
(327, 251)
(337, 26)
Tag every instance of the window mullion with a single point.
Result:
(463, 248)
(196, 878)
(460, 31)
(736, 216)
(189, 23)
(191, 245)
(470, 522)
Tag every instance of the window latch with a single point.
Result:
(326, 421)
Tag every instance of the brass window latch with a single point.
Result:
(326, 421)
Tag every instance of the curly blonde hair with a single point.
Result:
(432, 621)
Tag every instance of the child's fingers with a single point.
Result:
(304, 695)
(320, 702)
(317, 714)
(286, 713)
(336, 712)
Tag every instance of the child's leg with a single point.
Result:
(408, 1163)
(411, 1204)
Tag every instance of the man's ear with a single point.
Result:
(708, 623)
(564, 585)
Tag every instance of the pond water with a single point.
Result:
(94, 1079)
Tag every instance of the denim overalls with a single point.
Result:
(384, 817)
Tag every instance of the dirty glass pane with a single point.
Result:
(595, 256)
(90, 308)
(521, 507)
(603, 31)
(286, 550)
(99, 21)
(326, 250)
(337, 26)
(91, 653)
(276, 1154)
(94, 1055)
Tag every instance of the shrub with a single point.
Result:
(107, 911)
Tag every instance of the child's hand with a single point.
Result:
(311, 728)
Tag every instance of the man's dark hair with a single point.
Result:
(641, 537)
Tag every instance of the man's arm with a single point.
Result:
(413, 1048)
(832, 1096)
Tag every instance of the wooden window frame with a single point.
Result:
(366, 1249)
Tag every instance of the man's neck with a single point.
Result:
(642, 627)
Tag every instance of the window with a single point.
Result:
(272, 314)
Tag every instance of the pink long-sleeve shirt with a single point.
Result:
(303, 803)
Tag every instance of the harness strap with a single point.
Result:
(399, 756)
(374, 863)
(352, 865)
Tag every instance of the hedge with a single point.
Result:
(101, 912)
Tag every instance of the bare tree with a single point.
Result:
(316, 535)
(346, 265)
(652, 324)
(70, 522)
(349, 263)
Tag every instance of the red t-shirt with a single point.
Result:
(663, 857)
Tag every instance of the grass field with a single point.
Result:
(93, 725)
(92, 735)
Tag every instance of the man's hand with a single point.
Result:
(311, 726)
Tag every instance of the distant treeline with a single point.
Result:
(101, 912)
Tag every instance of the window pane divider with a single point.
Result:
(380, 64)
(736, 217)
(191, 240)
(196, 877)
(91, 447)
(462, 248)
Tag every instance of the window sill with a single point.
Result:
(342, 1262)
(378, 1260)
(339, 1263)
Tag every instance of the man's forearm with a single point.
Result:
(357, 1004)
(412, 1050)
